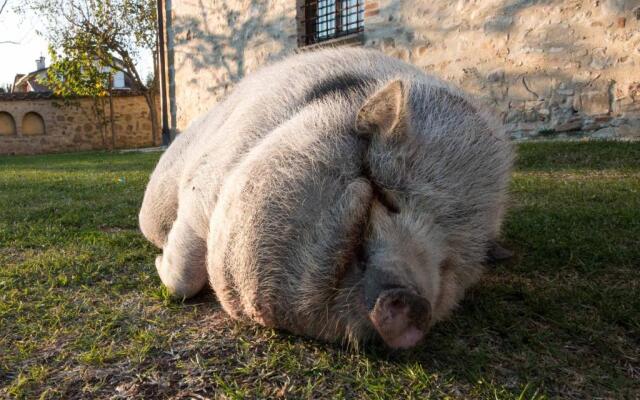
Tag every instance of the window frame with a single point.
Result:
(307, 20)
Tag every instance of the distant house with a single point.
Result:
(34, 121)
(31, 82)
(24, 83)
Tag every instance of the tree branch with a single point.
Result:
(2, 7)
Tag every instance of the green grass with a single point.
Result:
(83, 314)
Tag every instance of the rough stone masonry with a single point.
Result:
(567, 67)
(37, 123)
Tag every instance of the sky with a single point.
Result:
(21, 58)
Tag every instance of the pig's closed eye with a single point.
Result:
(384, 196)
(388, 200)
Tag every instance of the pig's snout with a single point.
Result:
(401, 317)
(398, 313)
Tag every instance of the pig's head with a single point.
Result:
(407, 280)
(401, 275)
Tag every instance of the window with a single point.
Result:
(7, 124)
(118, 80)
(32, 124)
(321, 20)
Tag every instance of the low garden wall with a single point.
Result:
(37, 123)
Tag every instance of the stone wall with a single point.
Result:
(546, 66)
(36, 123)
(214, 43)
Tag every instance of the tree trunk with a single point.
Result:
(153, 115)
(113, 129)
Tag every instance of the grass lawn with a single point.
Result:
(83, 314)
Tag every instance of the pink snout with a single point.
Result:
(401, 318)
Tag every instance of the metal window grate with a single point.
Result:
(322, 20)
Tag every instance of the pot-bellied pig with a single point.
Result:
(338, 194)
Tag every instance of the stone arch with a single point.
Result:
(32, 124)
(7, 124)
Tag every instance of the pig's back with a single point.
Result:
(264, 101)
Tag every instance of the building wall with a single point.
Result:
(544, 65)
(72, 127)
(214, 43)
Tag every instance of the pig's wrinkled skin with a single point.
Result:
(340, 194)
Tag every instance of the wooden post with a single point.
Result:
(113, 130)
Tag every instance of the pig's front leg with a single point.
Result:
(285, 281)
(331, 250)
(181, 266)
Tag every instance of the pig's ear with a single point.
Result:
(383, 113)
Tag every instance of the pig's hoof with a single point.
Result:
(262, 314)
(497, 253)
(176, 284)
